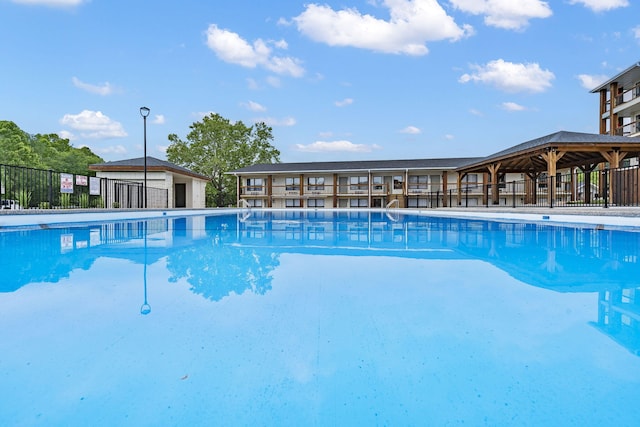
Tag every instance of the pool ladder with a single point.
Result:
(395, 217)
(245, 214)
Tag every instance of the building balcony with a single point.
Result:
(629, 129)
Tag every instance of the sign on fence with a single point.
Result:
(66, 183)
(81, 180)
(94, 186)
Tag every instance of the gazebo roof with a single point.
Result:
(578, 149)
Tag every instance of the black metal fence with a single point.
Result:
(600, 188)
(28, 188)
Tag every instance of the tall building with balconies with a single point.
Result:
(620, 103)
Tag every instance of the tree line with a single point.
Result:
(43, 151)
(213, 147)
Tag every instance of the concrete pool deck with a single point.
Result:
(597, 216)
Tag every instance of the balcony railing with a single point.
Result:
(628, 129)
(628, 95)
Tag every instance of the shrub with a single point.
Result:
(83, 200)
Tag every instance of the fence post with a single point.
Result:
(605, 176)
(50, 189)
(513, 193)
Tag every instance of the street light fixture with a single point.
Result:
(144, 112)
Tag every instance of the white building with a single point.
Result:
(183, 188)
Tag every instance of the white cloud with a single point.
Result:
(102, 89)
(94, 124)
(601, 5)
(158, 119)
(230, 47)
(333, 146)
(507, 14)
(271, 121)
(114, 149)
(65, 134)
(52, 3)
(476, 112)
(511, 77)
(344, 102)
(636, 32)
(449, 137)
(512, 106)
(252, 84)
(410, 26)
(254, 106)
(589, 81)
(411, 130)
(273, 81)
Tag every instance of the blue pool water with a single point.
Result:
(319, 318)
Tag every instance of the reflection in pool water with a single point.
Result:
(321, 318)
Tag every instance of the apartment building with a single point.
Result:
(563, 168)
(416, 183)
(620, 103)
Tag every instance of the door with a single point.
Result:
(180, 195)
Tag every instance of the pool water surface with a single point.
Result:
(319, 318)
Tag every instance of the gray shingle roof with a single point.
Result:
(138, 164)
(559, 138)
(626, 78)
(448, 163)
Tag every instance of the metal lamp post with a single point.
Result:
(144, 112)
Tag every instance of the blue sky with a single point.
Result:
(336, 80)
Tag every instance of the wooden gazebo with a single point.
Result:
(550, 153)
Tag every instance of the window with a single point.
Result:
(418, 202)
(254, 203)
(471, 180)
(292, 184)
(254, 184)
(398, 182)
(358, 203)
(292, 203)
(418, 182)
(315, 203)
(378, 184)
(358, 183)
(315, 183)
(435, 182)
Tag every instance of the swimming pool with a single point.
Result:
(319, 318)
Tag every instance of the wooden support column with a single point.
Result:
(614, 157)
(238, 189)
(551, 157)
(270, 191)
(459, 185)
(485, 184)
(445, 200)
(493, 170)
(531, 188)
(603, 110)
(613, 118)
(335, 190)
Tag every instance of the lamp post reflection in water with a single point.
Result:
(145, 308)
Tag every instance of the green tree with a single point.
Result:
(43, 151)
(15, 147)
(215, 146)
